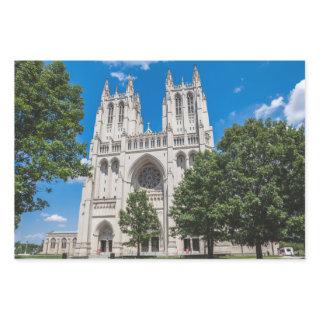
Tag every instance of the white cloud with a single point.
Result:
(76, 180)
(232, 114)
(264, 110)
(122, 77)
(34, 236)
(238, 89)
(294, 110)
(143, 65)
(55, 218)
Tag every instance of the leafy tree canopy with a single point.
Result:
(139, 221)
(48, 110)
(198, 206)
(264, 163)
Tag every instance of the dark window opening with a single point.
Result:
(195, 244)
(186, 245)
(155, 244)
(110, 245)
(145, 246)
(103, 246)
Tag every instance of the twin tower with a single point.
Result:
(184, 110)
(124, 156)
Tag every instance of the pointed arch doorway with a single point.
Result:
(105, 238)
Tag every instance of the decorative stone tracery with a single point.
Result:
(149, 177)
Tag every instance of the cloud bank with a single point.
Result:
(293, 110)
(55, 218)
(143, 65)
(122, 77)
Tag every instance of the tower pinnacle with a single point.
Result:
(196, 77)
(130, 89)
(169, 82)
(106, 92)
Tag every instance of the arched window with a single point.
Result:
(178, 104)
(191, 159)
(74, 242)
(110, 114)
(63, 243)
(190, 103)
(104, 167)
(181, 161)
(115, 166)
(52, 243)
(121, 112)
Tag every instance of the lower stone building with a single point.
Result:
(59, 242)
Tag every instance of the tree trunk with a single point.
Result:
(138, 250)
(259, 251)
(210, 247)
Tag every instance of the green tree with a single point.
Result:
(139, 221)
(290, 171)
(28, 248)
(259, 157)
(199, 201)
(48, 110)
(295, 230)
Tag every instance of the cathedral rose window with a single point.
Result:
(149, 177)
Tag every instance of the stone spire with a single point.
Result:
(169, 82)
(130, 89)
(116, 93)
(148, 129)
(105, 92)
(196, 77)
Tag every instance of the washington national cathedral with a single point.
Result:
(124, 157)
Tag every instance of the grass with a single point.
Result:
(40, 256)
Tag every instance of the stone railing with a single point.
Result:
(184, 85)
(110, 147)
(148, 142)
(185, 140)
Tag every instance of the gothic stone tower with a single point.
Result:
(123, 157)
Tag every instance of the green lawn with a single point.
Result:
(39, 256)
(161, 257)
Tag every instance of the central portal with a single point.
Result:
(105, 238)
(148, 177)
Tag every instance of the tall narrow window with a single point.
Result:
(195, 244)
(145, 246)
(186, 245)
(63, 243)
(52, 243)
(155, 244)
(121, 112)
(178, 104)
(190, 103)
(191, 159)
(74, 242)
(110, 114)
(181, 162)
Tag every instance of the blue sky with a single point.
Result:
(235, 90)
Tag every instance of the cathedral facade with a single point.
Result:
(124, 156)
